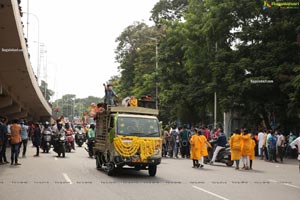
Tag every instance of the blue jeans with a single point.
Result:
(14, 152)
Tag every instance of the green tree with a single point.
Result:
(46, 92)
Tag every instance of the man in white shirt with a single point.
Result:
(280, 145)
(293, 145)
(260, 144)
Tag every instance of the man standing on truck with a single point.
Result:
(109, 94)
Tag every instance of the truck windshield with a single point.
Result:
(137, 126)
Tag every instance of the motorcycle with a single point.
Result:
(59, 144)
(70, 142)
(79, 138)
(90, 149)
(224, 155)
(46, 141)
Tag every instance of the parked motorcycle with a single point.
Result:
(46, 141)
(224, 155)
(59, 144)
(80, 138)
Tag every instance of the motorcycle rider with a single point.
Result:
(77, 130)
(79, 135)
(46, 129)
(221, 143)
(69, 132)
(91, 137)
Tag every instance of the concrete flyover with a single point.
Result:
(20, 95)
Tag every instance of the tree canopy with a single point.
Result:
(247, 55)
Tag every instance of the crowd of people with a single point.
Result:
(17, 133)
(244, 146)
(188, 143)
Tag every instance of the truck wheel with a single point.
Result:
(98, 163)
(110, 168)
(152, 170)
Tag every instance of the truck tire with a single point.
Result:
(98, 163)
(152, 170)
(110, 168)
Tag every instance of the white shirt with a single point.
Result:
(260, 139)
(280, 140)
(294, 143)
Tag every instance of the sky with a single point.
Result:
(77, 40)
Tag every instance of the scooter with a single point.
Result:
(79, 138)
(46, 141)
(224, 155)
(59, 144)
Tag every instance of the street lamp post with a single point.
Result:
(215, 96)
(38, 46)
(156, 68)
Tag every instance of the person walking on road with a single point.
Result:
(195, 154)
(280, 146)
(15, 140)
(36, 138)
(265, 146)
(184, 142)
(271, 141)
(24, 137)
(252, 151)
(246, 149)
(235, 147)
(165, 143)
(221, 144)
(204, 144)
(296, 144)
(260, 144)
(4, 131)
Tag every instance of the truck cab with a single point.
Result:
(128, 137)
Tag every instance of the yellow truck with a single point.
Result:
(128, 137)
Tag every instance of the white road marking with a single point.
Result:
(67, 178)
(294, 186)
(211, 193)
(55, 158)
(273, 181)
(286, 184)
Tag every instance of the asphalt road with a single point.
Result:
(76, 177)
